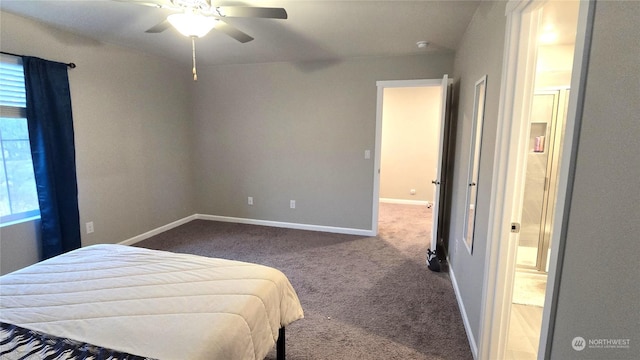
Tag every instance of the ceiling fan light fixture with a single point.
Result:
(191, 24)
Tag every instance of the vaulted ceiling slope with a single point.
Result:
(314, 31)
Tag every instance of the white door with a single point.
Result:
(437, 182)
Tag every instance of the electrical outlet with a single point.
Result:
(292, 204)
(250, 200)
(89, 226)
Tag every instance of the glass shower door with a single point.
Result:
(545, 132)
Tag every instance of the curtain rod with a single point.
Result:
(71, 65)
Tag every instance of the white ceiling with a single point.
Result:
(315, 30)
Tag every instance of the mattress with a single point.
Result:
(152, 303)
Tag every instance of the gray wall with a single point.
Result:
(131, 119)
(19, 245)
(284, 131)
(599, 296)
(479, 54)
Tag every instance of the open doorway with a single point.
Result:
(518, 137)
(409, 153)
(408, 157)
(409, 145)
(553, 47)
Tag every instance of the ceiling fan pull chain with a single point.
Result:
(193, 52)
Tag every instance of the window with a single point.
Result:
(18, 196)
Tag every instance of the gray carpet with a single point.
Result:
(363, 297)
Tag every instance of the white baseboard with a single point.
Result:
(405, 202)
(465, 319)
(157, 231)
(321, 228)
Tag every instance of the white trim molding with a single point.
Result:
(287, 225)
(463, 313)
(377, 156)
(157, 231)
(406, 202)
(497, 284)
(278, 224)
(408, 83)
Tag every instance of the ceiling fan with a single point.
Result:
(196, 18)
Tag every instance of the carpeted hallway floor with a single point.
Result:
(364, 297)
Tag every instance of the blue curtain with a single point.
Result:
(50, 125)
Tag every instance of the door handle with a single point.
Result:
(435, 182)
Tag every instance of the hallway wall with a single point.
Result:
(479, 54)
(410, 134)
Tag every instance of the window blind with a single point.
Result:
(12, 93)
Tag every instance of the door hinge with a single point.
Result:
(515, 227)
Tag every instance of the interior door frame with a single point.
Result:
(500, 260)
(381, 85)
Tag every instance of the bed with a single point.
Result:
(136, 303)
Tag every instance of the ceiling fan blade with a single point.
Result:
(158, 28)
(159, 4)
(150, 3)
(233, 32)
(255, 12)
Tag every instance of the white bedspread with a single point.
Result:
(153, 303)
